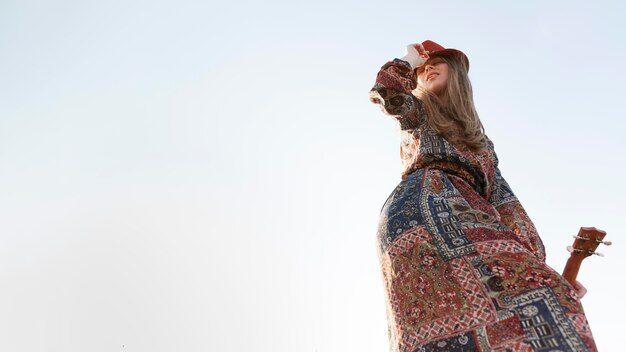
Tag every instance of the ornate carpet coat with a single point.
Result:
(463, 266)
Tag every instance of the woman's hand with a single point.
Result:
(415, 55)
(580, 289)
(421, 51)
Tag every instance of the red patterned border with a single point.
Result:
(407, 240)
(498, 246)
(481, 311)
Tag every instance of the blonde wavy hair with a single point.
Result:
(453, 115)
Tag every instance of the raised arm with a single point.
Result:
(392, 90)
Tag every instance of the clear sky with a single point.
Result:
(207, 176)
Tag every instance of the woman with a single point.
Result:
(463, 265)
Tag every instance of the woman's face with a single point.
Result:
(433, 75)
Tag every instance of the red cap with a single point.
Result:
(434, 49)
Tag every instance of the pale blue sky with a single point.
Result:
(207, 176)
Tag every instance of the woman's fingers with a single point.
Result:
(420, 49)
(581, 290)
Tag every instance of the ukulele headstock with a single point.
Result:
(587, 241)
(585, 244)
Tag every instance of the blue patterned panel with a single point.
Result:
(460, 343)
(401, 210)
(544, 321)
(444, 226)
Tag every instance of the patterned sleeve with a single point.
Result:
(392, 91)
(514, 216)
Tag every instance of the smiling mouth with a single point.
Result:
(428, 78)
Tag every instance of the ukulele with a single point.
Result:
(585, 244)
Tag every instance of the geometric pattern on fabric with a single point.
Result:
(505, 331)
(431, 297)
(505, 275)
(442, 223)
(406, 241)
(485, 213)
(401, 211)
(423, 199)
(545, 323)
(514, 346)
(499, 246)
(520, 225)
(441, 155)
(479, 311)
(445, 227)
(439, 217)
(465, 342)
(579, 321)
(502, 194)
(482, 234)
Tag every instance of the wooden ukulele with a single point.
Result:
(585, 244)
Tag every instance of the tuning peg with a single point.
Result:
(606, 243)
(580, 237)
(572, 250)
(598, 254)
